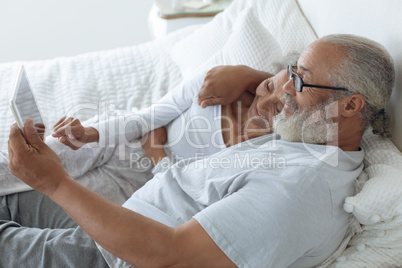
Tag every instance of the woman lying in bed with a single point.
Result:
(249, 101)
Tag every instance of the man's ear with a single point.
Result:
(352, 105)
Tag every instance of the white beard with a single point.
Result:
(313, 125)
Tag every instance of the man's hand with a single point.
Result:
(224, 84)
(32, 161)
(153, 144)
(72, 133)
(40, 128)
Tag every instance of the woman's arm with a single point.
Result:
(123, 129)
(73, 134)
(116, 129)
(224, 84)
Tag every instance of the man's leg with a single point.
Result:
(36, 232)
(34, 247)
(34, 209)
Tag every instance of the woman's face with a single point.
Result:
(267, 102)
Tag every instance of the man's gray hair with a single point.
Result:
(367, 69)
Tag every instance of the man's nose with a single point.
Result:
(289, 88)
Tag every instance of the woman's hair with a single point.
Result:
(290, 58)
(367, 69)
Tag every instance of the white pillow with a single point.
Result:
(378, 207)
(250, 44)
(282, 18)
(202, 44)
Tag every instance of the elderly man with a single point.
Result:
(238, 207)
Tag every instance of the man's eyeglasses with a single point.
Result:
(298, 83)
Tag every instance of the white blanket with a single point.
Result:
(124, 78)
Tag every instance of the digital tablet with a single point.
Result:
(23, 103)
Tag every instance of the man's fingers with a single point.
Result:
(203, 95)
(10, 151)
(39, 125)
(16, 140)
(11, 157)
(31, 135)
(40, 128)
(200, 98)
(211, 102)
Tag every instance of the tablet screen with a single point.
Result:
(25, 102)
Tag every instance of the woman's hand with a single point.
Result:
(73, 134)
(224, 84)
(32, 161)
(153, 144)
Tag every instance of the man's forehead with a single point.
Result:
(304, 69)
(316, 58)
(301, 68)
(307, 58)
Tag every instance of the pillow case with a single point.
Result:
(281, 18)
(377, 207)
(250, 44)
(202, 44)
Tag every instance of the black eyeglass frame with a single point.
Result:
(293, 75)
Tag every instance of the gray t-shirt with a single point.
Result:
(265, 203)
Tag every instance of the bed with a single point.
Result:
(259, 34)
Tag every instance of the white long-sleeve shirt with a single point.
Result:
(192, 130)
